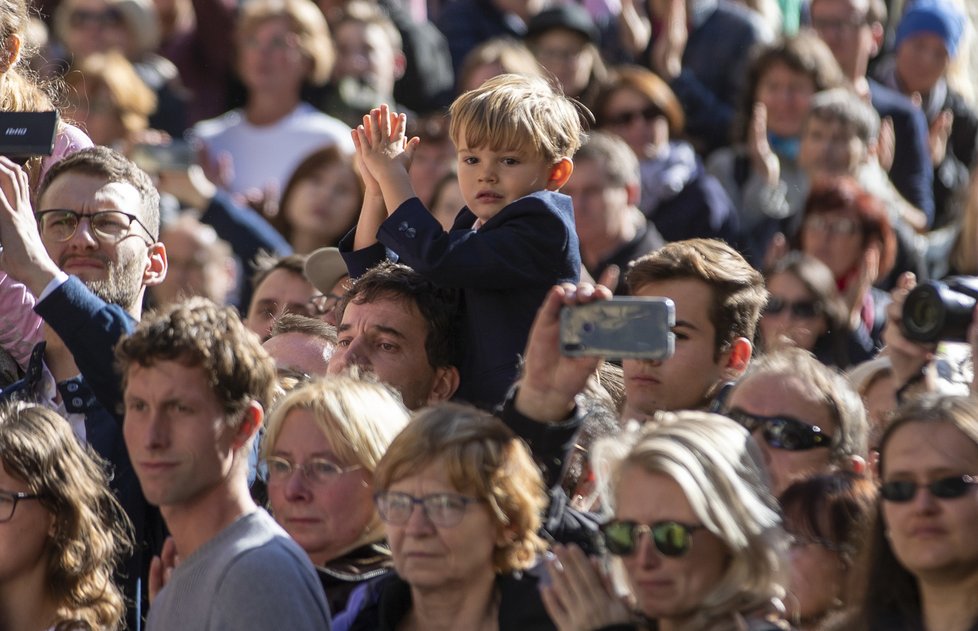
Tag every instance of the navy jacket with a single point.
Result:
(503, 270)
(912, 172)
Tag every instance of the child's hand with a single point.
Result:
(383, 142)
(371, 188)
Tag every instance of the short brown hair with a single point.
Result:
(197, 332)
(512, 110)
(483, 457)
(737, 288)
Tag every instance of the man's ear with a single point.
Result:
(445, 384)
(560, 173)
(879, 32)
(738, 358)
(634, 191)
(400, 65)
(10, 53)
(250, 422)
(156, 265)
(857, 464)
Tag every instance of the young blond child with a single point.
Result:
(514, 239)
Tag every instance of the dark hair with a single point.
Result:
(817, 279)
(438, 306)
(845, 194)
(804, 54)
(197, 332)
(737, 289)
(264, 264)
(107, 163)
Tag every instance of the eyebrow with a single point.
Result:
(343, 328)
(687, 324)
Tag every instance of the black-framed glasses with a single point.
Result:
(949, 488)
(802, 310)
(444, 510)
(627, 117)
(110, 226)
(671, 538)
(783, 432)
(8, 503)
(314, 470)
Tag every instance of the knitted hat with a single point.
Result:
(938, 17)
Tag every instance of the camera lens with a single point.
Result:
(936, 311)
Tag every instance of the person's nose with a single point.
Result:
(487, 171)
(353, 355)
(648, 557)
(418, 522)
(157, 432)
(296, 487)
(924, 501)
(84, 237)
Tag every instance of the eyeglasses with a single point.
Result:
(444, 510)
(324, 303)
(622, 119)
(81, 17)
(109, 226)
(948, 488)
(783, 432)
(803, 310)
(671, 538)
(315, 470)
(842, 226)
(8, 503)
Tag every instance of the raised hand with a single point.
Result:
(763, 160)
(580, 596)
(385, 152)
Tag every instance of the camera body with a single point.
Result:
(940, 310)
(24, 135)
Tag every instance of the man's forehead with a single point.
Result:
(82, 191)
(387, 310)
(847, 6)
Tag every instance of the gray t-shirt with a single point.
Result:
(252, 575)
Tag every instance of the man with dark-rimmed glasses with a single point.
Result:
(82, 262)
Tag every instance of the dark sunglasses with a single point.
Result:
(671, 538)
(946, 488)
(622, 119)
(803, 310)
(783, 432)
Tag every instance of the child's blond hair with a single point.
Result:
(513, 111)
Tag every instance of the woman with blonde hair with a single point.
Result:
(322, 445)
(62, 532)
(694, 526)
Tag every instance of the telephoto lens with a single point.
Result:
(940, 310)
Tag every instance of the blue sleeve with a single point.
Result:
(359, 261)
(90, 329)
(707, 115)
(530, 242)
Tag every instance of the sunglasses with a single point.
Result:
(783, 432)
(804, 310)
(622, 119)
(671, 538)
(948, 488)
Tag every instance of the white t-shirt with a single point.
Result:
(268, 154)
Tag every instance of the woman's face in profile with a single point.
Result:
(325, 516)
(25, 528)
(667, 587)
(931, 536)
(793, 316)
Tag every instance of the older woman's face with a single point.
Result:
(670, 588)
(932, 537)
(23, 537)
(633, 117)
(94, 26)
(429, 556)
(793, 316)
(326, 517)
(835, 238)
(270, 58)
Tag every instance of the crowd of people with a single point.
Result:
(280, 315)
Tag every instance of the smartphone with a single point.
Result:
(624, 327)
(178, 155)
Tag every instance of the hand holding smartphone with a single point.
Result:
(624, 327)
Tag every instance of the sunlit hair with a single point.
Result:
(720, 470)
(649, 85)
(844, 194)
(132, 99)
(737, 289)
(888, 591)
(805, 54)
(91, 532)
(358, 417)
(19, 90)
(834, 391)
(616, 158)
(483, 458)
(305, 20)
(198, 333)
(508, 54)
(842, 105)
(514, 111)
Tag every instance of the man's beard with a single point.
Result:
(123, 280)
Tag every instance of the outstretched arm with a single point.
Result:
(373, 212)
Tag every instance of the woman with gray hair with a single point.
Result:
(694, 528)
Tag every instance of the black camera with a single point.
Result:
(940, 310)
(24, 135)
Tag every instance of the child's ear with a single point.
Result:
(560, 173)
